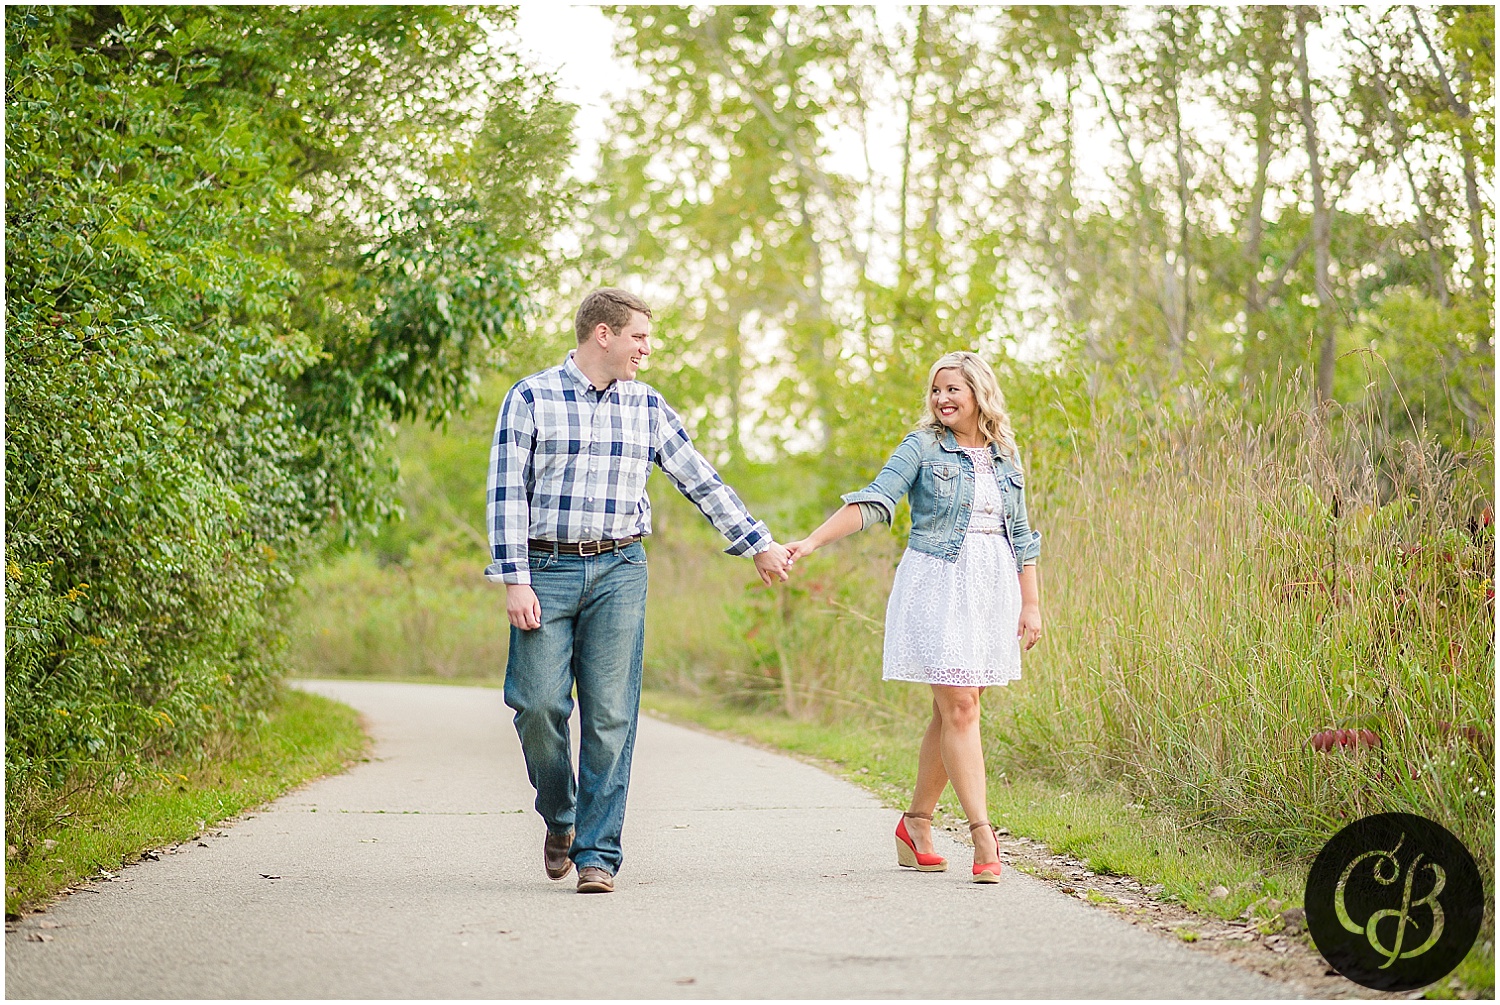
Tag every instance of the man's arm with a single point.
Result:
(509, 509)
(697, 479)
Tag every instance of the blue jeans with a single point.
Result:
(592, 635)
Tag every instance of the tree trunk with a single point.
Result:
(903, 262)
(1184, 250)
(734, 380)
(1477, 266)
(1322, 224)
(1073, 304)
(1398, 139)
(1136, 174)
(1255, 227)
(817, 302)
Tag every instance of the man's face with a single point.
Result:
(627, 348)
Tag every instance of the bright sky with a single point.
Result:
(576, 42)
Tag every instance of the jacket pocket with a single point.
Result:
(945, 479)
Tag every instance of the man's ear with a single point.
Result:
(600, 329)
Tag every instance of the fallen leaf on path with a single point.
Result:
(47, 924)
(266, 875)
(687, 980)
(38, 937)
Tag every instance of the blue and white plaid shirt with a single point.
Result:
(569, 463)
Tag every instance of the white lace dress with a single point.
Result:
(955, 623)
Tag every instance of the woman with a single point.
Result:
(968, 576)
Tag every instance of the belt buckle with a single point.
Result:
(583, 548)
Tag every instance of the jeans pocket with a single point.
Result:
(540, 561)
(633, 554)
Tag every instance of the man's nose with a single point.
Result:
(645, 347)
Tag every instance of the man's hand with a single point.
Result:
(772, 564)
(522, 607)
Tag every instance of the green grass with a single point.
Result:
(306, 736)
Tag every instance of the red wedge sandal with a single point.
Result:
(990, 871)
(906, 849)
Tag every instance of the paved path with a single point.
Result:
(418, 874)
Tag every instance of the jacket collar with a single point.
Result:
(949, 442)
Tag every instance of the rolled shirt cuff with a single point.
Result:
(870, 513)
(871, 497)
(754, 541)
(508, 573)
(1032, 550)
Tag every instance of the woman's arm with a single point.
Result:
(846, 520)
(893, 482)
(1030, 628)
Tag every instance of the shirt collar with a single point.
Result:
(571, 368)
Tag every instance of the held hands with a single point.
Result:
(776, 561)
(773, 564)
(796, 549)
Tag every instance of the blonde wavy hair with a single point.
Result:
(994, 420)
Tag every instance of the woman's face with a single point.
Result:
(953, 400)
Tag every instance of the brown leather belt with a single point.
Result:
(584, 548)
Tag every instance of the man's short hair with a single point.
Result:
(609, 306)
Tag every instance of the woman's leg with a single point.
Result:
(931, 780)
(963, 759)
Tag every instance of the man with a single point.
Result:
(567, 511)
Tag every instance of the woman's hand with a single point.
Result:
(796, 549)
(1029, 631)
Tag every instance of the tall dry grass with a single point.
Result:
(1217, 593)
(432, 614)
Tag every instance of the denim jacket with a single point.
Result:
(939, 477)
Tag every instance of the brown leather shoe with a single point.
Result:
(592, 879)
(555, 855)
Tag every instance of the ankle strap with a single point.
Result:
(982, 823)
(918, 816)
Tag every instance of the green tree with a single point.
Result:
(240, 242)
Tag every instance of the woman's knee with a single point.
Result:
(959, 707)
